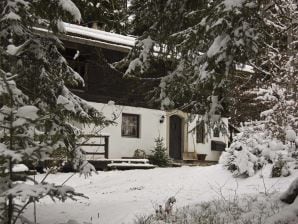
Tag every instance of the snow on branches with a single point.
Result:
(71, 8)
(255, 147)
(203, 42)
(38, 112)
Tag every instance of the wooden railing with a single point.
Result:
(105, 145)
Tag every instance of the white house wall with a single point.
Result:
(150, 128)
(205, 148)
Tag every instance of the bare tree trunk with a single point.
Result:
(10, 198)
(10, 208)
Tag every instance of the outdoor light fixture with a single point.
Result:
(162, 119)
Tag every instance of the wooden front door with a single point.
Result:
(175, 147)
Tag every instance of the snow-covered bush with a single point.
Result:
(240, 161)
(253, 148)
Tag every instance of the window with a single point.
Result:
(130, 125)
(218, 146)
(200, 132)
(216, 132)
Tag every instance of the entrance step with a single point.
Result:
(121, 164)
(190, 156)
(193, 163)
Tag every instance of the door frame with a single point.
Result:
(175, 150)
(184, 126)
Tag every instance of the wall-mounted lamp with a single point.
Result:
(162, 119)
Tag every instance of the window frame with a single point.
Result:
(137, 126)
(200, 132)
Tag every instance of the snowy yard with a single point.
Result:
(120, 196)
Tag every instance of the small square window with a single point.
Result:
(130, 125)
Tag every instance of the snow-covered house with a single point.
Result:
(137, 126)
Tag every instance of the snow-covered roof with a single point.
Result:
(93, 37)
(113, 41)
(99, 35)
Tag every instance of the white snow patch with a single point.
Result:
(290, 135)
(11, 16)
(230, 4)
(245, 68)
(266, 113)
(19, 122)
(68, 105)
(18, 168)
(5, 152)
(12, 49)
(70, 7)
(28, 112)
(219, 43)
(77, 54)
(111, 103)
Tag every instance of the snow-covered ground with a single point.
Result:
(119, 196)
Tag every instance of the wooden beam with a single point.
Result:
(91, 144)
(94, 153)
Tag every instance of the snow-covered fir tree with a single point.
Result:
(206, 40)
(108, 15)
(277, 90)
(274, 86)
(38, 111)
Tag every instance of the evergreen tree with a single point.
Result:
(159, 155)
(108, 15)
(205, 39)
(277, 90)
(208, 43)
(38, 111)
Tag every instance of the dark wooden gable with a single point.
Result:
(102, 81)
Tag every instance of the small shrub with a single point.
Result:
(241, 161)
(254, 148)
(159, 155)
